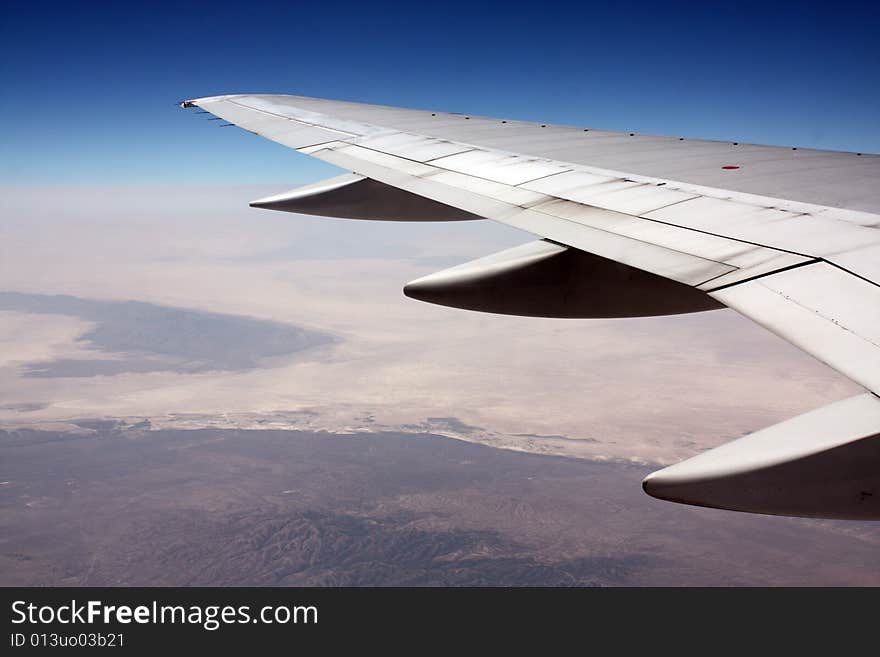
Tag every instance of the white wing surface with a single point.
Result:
(634, 225)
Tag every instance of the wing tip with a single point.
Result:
(198, 102)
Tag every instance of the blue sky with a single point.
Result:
(88, 90)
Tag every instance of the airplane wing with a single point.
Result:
(636, 225)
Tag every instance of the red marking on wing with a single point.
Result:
(730, 167)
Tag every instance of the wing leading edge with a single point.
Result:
(768, 231)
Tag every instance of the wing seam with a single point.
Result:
(292, 120)
(763, 275)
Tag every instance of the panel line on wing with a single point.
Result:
(851, 272)
(291, 119)
(762, 275)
